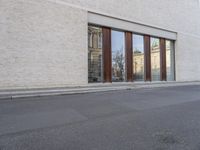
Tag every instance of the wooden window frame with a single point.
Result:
(147, 58)
(107, 58)
(163, 67)
(129, 56)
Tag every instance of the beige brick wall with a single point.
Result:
(42, 44)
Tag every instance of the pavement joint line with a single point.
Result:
(11, 95)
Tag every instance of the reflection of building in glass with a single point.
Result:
(118, 72)
(155, 63)
(155, 59)
(138, 57)
(138, 62)
(138, 65)
(94, 54)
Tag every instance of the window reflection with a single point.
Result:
(94, 54)
(95, 68)
(170, 60)
(155, 59)
(118, 56)
(138, 57)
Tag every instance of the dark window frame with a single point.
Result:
(107, 55)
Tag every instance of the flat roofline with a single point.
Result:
(135, 27)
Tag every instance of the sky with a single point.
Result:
(118, 41)
(138, 42)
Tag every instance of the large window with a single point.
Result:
(118, 56)
(155, 59)
(138, 57)
(170, 60)
(94, 54)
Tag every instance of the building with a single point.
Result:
(58, 43)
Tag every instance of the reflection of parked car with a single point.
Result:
(93, 79)
(117, 78)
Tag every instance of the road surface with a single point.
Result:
(166, 118)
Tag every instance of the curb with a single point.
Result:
(45, 93)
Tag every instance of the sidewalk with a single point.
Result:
(90, 88)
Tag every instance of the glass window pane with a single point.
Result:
(118, 56)
(94, 54)
(138, 57)
(155, 59)
(170, 60)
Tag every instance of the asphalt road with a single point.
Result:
(142, 119)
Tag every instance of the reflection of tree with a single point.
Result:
(155, 43)
(118, 65)
(137, 51)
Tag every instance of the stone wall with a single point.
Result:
(43, 43)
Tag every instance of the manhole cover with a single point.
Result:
(167, 137)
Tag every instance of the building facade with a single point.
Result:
(58, 43)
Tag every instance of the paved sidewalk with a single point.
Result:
(90, 88)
